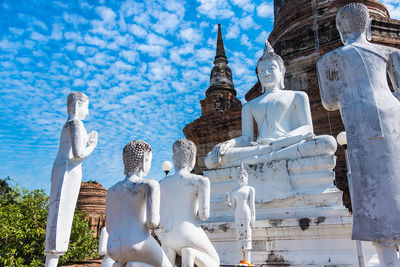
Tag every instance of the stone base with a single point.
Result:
(284, 189)
(309, 241)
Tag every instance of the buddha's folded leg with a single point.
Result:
(190, 256)
(317, 146)
(235, 155)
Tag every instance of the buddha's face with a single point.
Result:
(147, 163)
(242, 179)
(83, 110)
(269, 74)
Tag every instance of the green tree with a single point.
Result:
(23, 216)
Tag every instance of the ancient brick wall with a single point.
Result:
(220, 121)
(92, 201)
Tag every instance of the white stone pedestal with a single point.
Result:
(301, 220)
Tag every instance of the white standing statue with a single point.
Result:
(352, 78)
(132, 209)
(284, 123)
(75, 146)
(185, 198)
(245, 214)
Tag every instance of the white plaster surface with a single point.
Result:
(66, 176)
(132, 209)
(326, 242)
(353, 79)
(245, 213)
(185, 198)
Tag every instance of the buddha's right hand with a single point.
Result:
(220, 150)
(92, 138)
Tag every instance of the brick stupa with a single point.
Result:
(220, 111)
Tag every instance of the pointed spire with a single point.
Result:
(221, 74)
(220, 54)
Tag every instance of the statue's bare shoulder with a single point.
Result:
(199, 180)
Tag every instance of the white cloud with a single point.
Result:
(248, 23)
(39, 37)
(57, 31)
(107, 14)
(262, 37)
(16, 31)
(167, 22)
(101, 59)
(244, 40)
(393, 7)
(265, 10)
(233, 32)
(122, 23)
(215, 8)
(74, 19)
(80, 64)
(78, 82)
(151, 50)
(244, 4)
(153, 39)
(74, 36)
(137, 30)
(94, 40)
(190, 35)
(129, 55)
(204, 55)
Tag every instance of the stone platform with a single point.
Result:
(300, 218)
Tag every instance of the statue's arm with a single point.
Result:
(204, 198)
(152, 204)
(228, 201)
(79, 149)
(109, 208)
(328, 77)
(242, 141)
(394, 72)
(252, 206)
(302, 122)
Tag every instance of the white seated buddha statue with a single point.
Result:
(284, 123)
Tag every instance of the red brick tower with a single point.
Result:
(220, 118)
(92, 201)
(303, 31)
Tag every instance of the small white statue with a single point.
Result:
(284, 123)
(352, 78)
(185, 198)
(245, 214)
(75, 146)
(132, 209)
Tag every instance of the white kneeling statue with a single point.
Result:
(132, 209)
(185, 198)
(245, 214)
(353, 79)
(66, 177)
(284, 123)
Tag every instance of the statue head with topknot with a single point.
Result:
(184, 154)
(137, 157)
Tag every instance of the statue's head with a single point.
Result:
(270, 69)
(243, 176)
(352, 19)
(78, 104)
(184, 154)
(137, 157)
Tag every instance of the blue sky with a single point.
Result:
(145, 66)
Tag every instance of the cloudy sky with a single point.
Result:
(145, 66)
